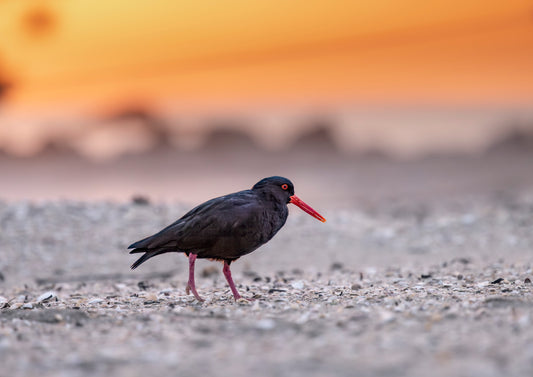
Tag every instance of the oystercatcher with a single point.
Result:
(226, 228)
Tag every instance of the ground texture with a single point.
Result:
(400, 289)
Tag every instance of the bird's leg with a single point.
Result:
(190, 284)
(227, 274)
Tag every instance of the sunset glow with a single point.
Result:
(210, 54)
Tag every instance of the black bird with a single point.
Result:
(226, 228)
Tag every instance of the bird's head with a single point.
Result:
(283, 190)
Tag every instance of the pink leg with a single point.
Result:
(227, 274)
(190, 285)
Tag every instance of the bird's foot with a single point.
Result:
(243, 299)
(188, 290)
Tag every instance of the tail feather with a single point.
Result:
(139, 250)
(147, 255)
(139, 244)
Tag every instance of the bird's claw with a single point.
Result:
(241, 299)
(188, 290)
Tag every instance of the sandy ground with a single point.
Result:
(398, 289)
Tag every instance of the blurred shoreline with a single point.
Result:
(230, 161)
(402, 132)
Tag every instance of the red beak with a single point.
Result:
(306, 208)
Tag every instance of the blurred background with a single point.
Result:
(181, 101)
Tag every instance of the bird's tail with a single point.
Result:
(148, 253)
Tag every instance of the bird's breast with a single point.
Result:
(248, 232)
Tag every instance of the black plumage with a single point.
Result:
(226, 228)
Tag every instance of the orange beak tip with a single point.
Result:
(306, 208)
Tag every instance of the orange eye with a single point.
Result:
(284, 186)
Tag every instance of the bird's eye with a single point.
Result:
(284, 186)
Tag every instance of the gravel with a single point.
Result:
(402, 289)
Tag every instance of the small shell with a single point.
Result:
(47, 296)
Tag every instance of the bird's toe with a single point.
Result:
(243, 300)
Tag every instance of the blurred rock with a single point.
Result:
(140, 200)
(516, 140)
(317, 138)
(226, 138)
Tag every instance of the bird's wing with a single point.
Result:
(205, 224)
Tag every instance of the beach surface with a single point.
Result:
(400, 288)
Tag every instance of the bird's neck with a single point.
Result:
(270, 199)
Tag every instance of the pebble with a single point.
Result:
(47, 296)
(298, 284)
(19, 299)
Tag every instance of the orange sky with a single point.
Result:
(208, 54)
